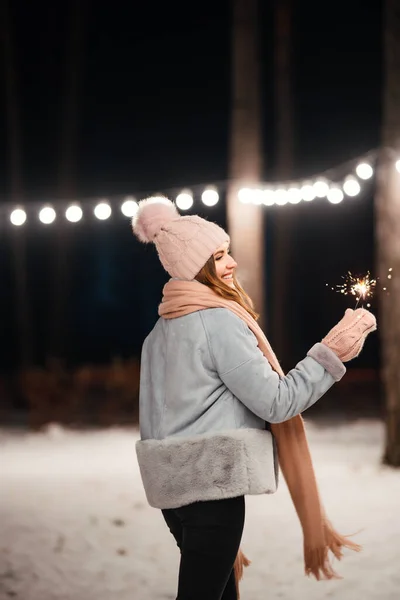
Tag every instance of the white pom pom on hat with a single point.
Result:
(152, 215)
(184, 243)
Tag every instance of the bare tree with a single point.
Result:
(18, 241)
(245, 221)
(387, 206)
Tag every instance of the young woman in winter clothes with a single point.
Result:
(218, 415)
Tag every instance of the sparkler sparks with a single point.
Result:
(363, 288)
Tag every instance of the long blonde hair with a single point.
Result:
(208, 276)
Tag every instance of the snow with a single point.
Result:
(75, 525)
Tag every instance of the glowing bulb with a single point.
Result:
(258, 197)
(335, 195)
(18, 217)
(294, 195)
(245, 195)
(210, 197)
(102, 211)
(307, 192)
(74, 213)
(184, 200)
(364, 171)
(130, 207)
(398, 165)
(47, 215)
(351, 186)
(268, 197)
(281, 197)
(321, 188)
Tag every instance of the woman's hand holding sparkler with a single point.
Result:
(347, 338)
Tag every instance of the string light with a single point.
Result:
(210, 196)
(335, 194)
(74, 213)
(351, 186)
(307, 192)
(268, 197)
(330, 186)
(321, 188)
(294, 195)
(184, 200)
(130, 207)
(102, 211)
(47, 215)
(18, 217)
(258, 197)
(364, 171)
(281, 197)
(245, 195)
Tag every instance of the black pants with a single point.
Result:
(208, 535)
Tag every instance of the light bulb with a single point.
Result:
(210, 197)
(351, 186)
(281, 196)
(102, 211)
(294, 195)
(321, 188)
(245, 195)
(47, 215)
(335, 195)
(307, 192)
(268, 196)
(18, 217)
(129, 207)
(184, 200)
(364, 171)
(74, 213)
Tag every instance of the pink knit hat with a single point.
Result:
(184, 244)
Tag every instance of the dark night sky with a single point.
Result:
(154, 101)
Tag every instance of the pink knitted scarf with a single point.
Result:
(184, 297)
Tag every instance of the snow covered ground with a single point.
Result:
(74, 523)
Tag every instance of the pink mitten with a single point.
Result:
(347, 338)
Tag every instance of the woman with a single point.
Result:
(217, 412)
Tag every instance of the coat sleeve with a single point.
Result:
(248, 375)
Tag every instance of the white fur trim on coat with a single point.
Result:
(328, 359)
(177, 471)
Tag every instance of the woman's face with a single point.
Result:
(225, 264)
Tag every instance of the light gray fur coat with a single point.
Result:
(207, 394)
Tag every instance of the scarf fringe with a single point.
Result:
(240, 562)
(316, 560)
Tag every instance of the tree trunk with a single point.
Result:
(387, 208)
(283, 218)
(18, 242)
(245, 221)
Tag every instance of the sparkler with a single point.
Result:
(363, 288)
